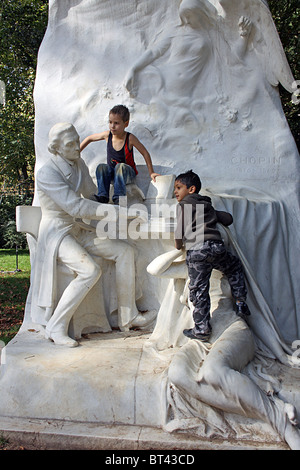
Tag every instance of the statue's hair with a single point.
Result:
(56, 133)
(190, 179)
(196, 7)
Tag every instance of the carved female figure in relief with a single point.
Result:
(175, 64)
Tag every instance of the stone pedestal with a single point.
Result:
(109, 393)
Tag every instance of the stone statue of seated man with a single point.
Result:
(64, 186)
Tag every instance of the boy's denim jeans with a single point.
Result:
(200, 262)
(120, 175)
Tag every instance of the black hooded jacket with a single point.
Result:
(196, 221)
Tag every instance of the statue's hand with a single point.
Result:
(245, 26)
(129, 82)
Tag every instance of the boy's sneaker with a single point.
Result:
(241, 309)
(190, 333)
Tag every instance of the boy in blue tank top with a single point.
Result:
(120, 167)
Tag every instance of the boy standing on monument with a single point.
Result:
(196, 230)
(120, 168)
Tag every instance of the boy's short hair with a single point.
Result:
(190, 179)
(122, 111)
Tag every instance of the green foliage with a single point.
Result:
(14, 285)
(9, 238)
(286, 14)
(23, 24)
(3, 441)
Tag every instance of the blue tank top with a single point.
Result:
(125, 155)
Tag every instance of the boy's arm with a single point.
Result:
(179, 230)
(134, 141)
(178, 244)
(224, 218)
(93, 138)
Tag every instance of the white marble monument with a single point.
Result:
(201, 81)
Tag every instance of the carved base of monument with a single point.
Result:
(109, 393)
(36, 434)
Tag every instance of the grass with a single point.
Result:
(14, 285)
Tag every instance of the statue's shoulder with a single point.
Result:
(51, 170)
(47, 166)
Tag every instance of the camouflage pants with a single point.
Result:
(200, 262)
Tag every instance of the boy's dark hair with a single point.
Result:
(189, 179)
(122, 111)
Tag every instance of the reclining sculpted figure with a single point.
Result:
(211, 372)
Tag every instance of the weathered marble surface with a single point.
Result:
(200, 80)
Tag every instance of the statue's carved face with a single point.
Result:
(68, 146)
(192, 12)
